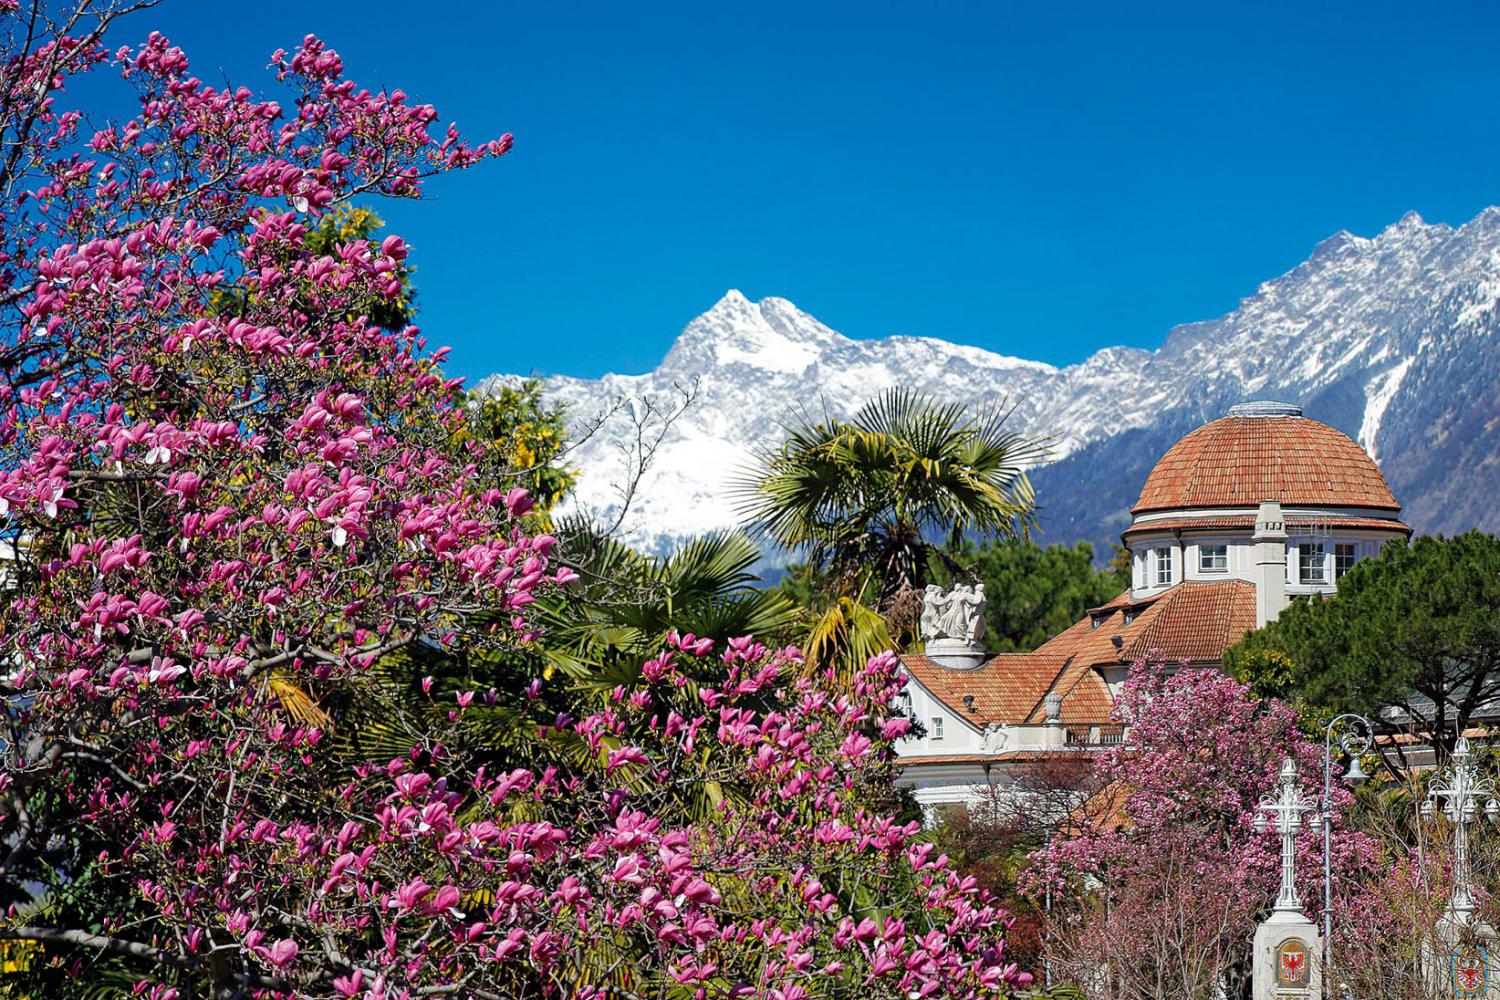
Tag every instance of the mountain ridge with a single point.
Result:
(1389, 338)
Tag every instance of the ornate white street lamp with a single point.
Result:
(1287, 807)
(1283, 943)
(1355, 738)
(1459, 792)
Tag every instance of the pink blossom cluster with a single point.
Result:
(232, 502)
(1176, 818)
(561, 879)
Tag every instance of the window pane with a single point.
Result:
(1310, 564)
(937, 727)
(1213, 558)
(1163, 567)
(1343, 559)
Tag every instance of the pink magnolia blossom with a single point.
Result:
(1173, 831)
(241, 500)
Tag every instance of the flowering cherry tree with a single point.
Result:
(231, 498)
(1165, 885)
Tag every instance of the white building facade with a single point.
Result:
(1241, 516)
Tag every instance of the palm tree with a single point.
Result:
(594, 638)
(624, 604)
(864, 498)
(596, 634)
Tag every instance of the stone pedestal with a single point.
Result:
(1460, 960)
(1288, 958)
(955, 654)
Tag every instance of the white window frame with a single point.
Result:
(936, 732)
(1304, 550)
(1161, 566)
(1222, 549)
(1340, 549)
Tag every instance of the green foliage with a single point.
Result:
(624, 604)
(340, 225)
(1415, 630)
(1266, 668)
(836, 631)
(843, 636)
(530, 435)
(594, 639)
(804, 585)
(600, 629)
(347, 223)
(66, 878)
(1035, 592)
(864, 497)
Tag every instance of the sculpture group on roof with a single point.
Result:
(956, 615)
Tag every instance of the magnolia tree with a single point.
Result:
(233, 499)
(1160, 896)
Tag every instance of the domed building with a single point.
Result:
(1263, 482)
(1238, 518)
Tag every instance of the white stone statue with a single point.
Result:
(957, 616)
(977, 601)
(933, 604)
(994, 738)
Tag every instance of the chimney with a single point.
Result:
(1270, 562)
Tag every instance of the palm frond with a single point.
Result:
(843, 637)
(296, 701)
(874, 491)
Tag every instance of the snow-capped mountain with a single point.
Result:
(1390, 339)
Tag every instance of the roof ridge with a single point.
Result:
(1042, 698)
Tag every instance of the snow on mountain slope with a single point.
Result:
(1391, 339)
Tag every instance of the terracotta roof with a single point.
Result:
(1238, 461)
(1085, 696)
(1246, 522)
(1102, 811)
(1005, 688)
(1196, 622)
(1120, 600)
(1193, 621)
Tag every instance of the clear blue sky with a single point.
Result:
(1041, 180)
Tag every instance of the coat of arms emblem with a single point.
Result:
(1471, 973)
(1291, 963)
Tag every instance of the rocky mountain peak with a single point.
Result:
(1391, 339)
(771, 335)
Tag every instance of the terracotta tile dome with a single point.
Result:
(1265, 451)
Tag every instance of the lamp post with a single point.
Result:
(1284, 960)
(1460, 792)
(1284, 812)
(1355, 739)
